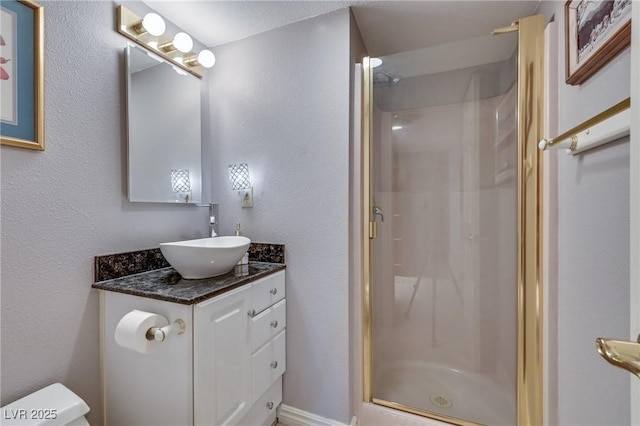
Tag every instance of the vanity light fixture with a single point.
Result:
(181, 185)
(239, 177)
(205, 58)
(149, 33)
(152, 23)
(182, 42)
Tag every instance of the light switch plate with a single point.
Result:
(247, 198)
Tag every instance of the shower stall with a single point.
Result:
(451, 264)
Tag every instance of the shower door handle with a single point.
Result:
(620, 353)
(373, 224)
(377, 211)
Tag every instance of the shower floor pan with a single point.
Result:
(446, 391)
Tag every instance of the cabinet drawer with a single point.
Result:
(263, 412)
(268, 364)
(267, 324)
(279, 313)
(267, 291)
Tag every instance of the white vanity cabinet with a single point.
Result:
(222, 369)
(226, 369)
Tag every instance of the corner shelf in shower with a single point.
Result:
(506, 117)
(506, 139)
(505, 177)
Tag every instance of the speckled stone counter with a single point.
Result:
(118, 265)
(167, 284)
(146, 273)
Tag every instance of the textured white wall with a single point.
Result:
(593, 249)
(280, 102)
(63, 206)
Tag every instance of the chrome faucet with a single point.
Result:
(213, 220)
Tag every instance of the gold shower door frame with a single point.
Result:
(530, 295)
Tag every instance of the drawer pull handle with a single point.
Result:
(251, 313)
(270, 405)
(274, 364)
(274, 291)
(274, 324)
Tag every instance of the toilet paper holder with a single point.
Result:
(160, 334)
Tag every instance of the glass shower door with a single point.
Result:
(444, 263)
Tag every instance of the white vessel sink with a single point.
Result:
(205, 257)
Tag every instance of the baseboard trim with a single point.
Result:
(291, 416)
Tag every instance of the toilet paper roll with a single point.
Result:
(131, 331)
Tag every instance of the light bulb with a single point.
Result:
(206, 58)
(153, 24)
(183, 42)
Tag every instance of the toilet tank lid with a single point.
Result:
(53, 405)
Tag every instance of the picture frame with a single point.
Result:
(22, 74)
(595, 33)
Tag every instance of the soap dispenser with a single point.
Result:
(245, 258)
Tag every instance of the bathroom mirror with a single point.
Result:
(164, 130)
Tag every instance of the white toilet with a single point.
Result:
(53, 405)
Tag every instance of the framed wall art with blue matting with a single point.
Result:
(21, 74)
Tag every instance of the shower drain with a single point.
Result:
(440, 401)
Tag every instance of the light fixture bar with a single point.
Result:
(128, 24)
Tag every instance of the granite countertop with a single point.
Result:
(146, 273)
(167, 284)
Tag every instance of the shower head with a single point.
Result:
(380, 77)
(393, 80)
